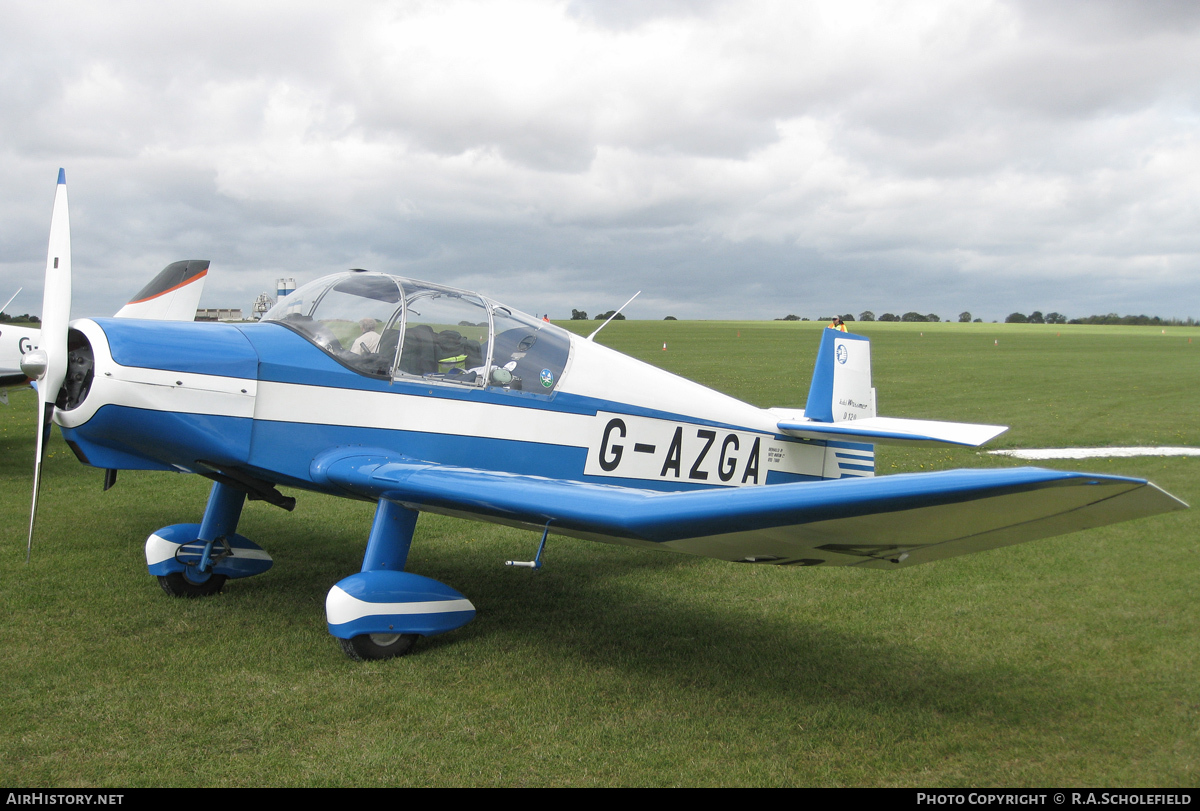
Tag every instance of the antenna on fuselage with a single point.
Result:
(614, 315)
(10, 301)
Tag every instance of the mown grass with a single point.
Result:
(1064, 662)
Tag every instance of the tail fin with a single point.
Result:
(841, 384)
(172, 295)
(841, 404)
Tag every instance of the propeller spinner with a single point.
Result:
(48, 364)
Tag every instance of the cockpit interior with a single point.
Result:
(390, 327)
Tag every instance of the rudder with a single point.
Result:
(841, 383)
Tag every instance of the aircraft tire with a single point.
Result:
(176, 585)
(373, 647)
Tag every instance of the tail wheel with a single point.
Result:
(370, 647)
(178, 584)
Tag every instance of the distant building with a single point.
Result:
(219, 314)
(262, 304)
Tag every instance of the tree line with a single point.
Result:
(1112, 318)
(867, 315)
(580, 315)
(1036, 317)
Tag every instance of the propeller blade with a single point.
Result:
(56, 316)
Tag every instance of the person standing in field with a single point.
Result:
(838, 324)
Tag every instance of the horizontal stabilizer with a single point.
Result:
(893, 431)
(920, 517)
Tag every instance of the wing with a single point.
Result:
(884, 522)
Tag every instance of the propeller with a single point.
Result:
(48, 363)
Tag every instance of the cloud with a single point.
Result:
(733, 159)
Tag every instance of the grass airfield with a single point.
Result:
(1065, 662)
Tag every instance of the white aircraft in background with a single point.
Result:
(14, 343)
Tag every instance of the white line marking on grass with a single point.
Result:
(1090, 453)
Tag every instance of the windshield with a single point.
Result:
(350, 316)
(387, 326)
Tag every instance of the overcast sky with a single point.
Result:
(729, 159)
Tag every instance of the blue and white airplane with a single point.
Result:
(420, 397)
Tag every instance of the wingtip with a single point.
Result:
(62, 177)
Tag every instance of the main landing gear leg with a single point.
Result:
(379, 612)
(195, 560)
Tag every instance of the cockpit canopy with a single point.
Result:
(390, 327)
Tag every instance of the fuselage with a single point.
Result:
(266, 399)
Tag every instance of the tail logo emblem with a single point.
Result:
(842, 353)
